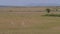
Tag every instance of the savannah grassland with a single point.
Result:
(25, 21)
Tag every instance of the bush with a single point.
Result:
(56, 9)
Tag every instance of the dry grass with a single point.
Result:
(28, 22)
(34, 23)
(26, 9)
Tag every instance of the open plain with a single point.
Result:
(28, 21)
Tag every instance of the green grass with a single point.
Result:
(53, 15)
(34, 24)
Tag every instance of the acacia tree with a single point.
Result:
(48, 10)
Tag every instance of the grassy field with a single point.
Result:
(22, 9)
(28, 23)
(25, 9)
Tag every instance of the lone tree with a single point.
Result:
(48, 10)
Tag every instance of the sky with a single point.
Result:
(28, 2)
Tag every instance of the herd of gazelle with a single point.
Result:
(14, 24)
